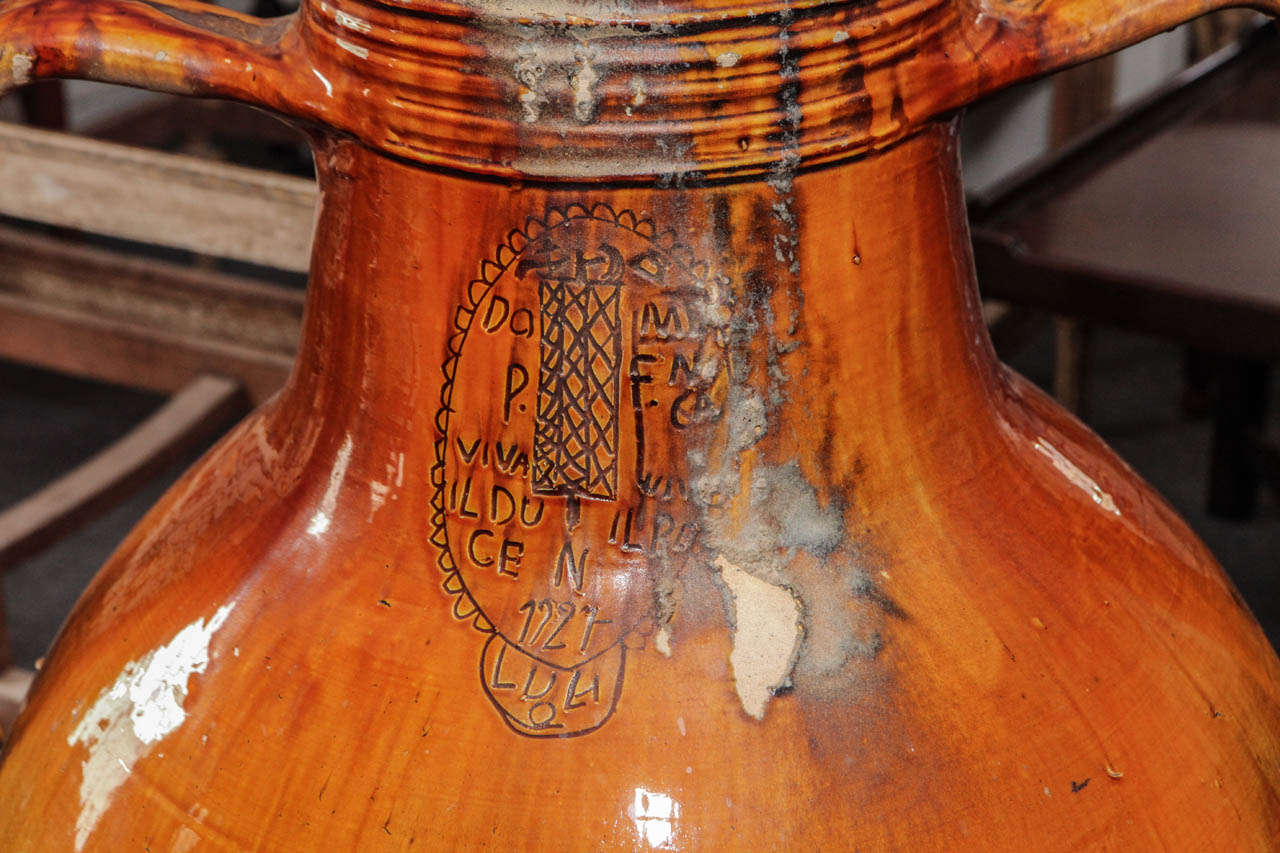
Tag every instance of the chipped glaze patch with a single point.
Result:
(662, 640)
(379, 491)
(22, 65)
(143, 706)
(1073, 473)
(185, 841)
(582, 81)
(767, 632)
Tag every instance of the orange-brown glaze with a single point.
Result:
(592, 91)
(1004, 611)
(641, 514)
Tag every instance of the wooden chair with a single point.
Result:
(81, 298)
(1164, 220)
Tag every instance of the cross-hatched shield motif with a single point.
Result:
(575, 440)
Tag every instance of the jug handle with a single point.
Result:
(177, 46)
(1008, 41)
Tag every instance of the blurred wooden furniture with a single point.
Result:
(113, 311)
(1082, 97)
(1164, 221)
(84, 297)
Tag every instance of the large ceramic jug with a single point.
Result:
(646, 478)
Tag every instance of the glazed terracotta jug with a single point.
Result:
(646, 478)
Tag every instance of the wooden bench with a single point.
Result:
(217, 343)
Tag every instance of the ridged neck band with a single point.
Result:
(648, 91)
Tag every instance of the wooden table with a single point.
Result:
(1166, 221)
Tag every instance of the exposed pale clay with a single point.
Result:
(379, 491)
(583, 83)
(377, 496)
(638, 92)
(767, 631)
(22, 63)
(143, 706)
(529, 70)
(662, 640)
(185, 841)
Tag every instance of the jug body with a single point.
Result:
(651, 517)
(646, 478)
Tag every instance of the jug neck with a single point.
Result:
(605, 92)
(827, 301)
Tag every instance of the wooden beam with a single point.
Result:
(194, 415)
(140, 322)
(6, 644)
(1082, 97)
(141, 357)
(14, 684)
(1010, 326)
(1195, 88)
(152, 197)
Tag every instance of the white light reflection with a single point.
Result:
(655, 816)
(319, 524)
(1078, 477)
(320, 521)
(328, 87)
